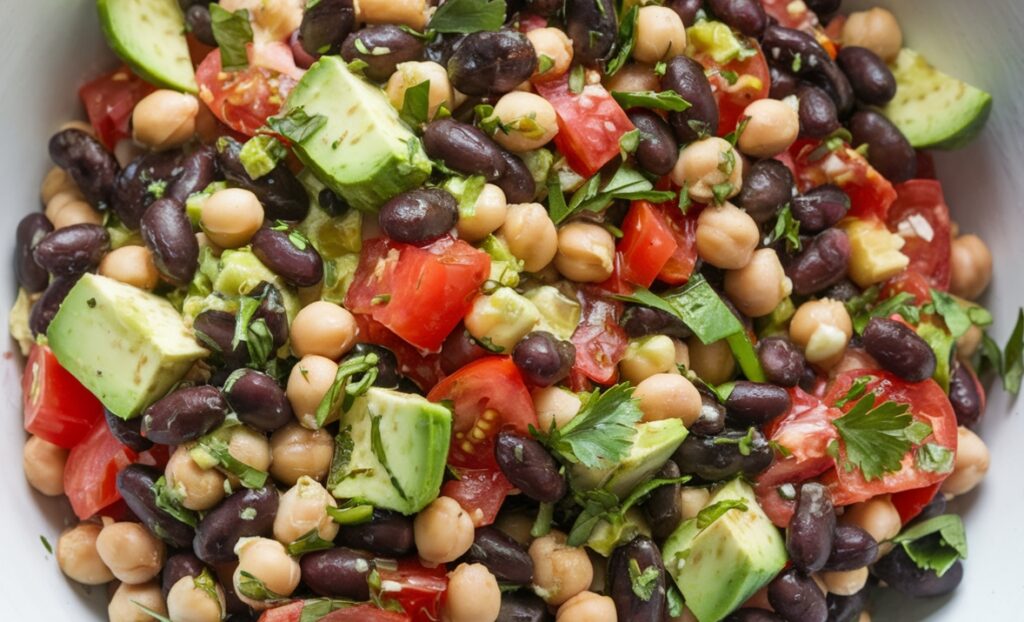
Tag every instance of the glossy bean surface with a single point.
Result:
(337, 573)
(387, 364)
(766, 188)
(643, 321)
(31, 229)
(492, 63)
(686, 9)
(592, 26)
(964, 395)
(272, 311)
(523, 606)
(663, 509)
(746, 16)
(135, 483)
(640, 552)
(325, 25)
(846, 608)
(784, 83)
(902, 574)
(852, 548)
(686, 77)
(463, 147)
(401, 47)
(889, 151)
(259, 401)
(755, 403)
(178, 567)
(49, 303)
(128, 432)
(419, 216)
(72, 250)
(300, 265)
(247, 513)
(216, 330)
(529, 467)
(132, 192)
(750, 614)
(824, 261)
(199, 23)
(544, 359)
(387, 533)
(280, 193)
(88, 162)
(797, 597)
(516, 181)
(817, 112)
(507, 560)
(820, 208)
(782, 361)
(809, 538)
(167, 232)
(716, 458)
(870, 77)
(899, 349)
(460, 349)
(658, 149)
(184, 415)
(193, 173)
(711, 420)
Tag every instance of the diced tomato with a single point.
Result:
(421, 590)
(616, 284)
(292, 612)
(791, 14)
(600, 341)
(910, 503)
(590, 124)
(911, 282)
(363, 613)
(91, 471)
(109, 101)
(921, 217)
(480, 492)
(423, 369)
(420, 294)
(57, 407)
(753, 83)
(679, 267)
(647, 244)
(871, 195)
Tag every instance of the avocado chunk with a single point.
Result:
(125, 345)
(718, 567)
(654, 444)
(363, 151)
(391, 451)
(149, 35)
(559, 314)
(932, 109)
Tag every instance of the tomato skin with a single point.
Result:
(599, 339)
(910, 503)
(423, 369)
(480, 492)
(911, 282)
(680, 266)
(422, 590)
(90, 473)
(871, 195)
(647, 244)
(923, 199)
(799, 18)
(244, 100)
(754, 83)
(361, 613)
(109, 101)
(292, 612)
(57, 407)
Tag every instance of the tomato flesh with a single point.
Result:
(109, 101)
(871, 194)
(646, 246)
(90, 474)
(363, 613)
(680, 266)
(421, 590)
(910, 503)
(599, 339)
(57, 407)
(753, 82)
(423, 369)
(921, 217)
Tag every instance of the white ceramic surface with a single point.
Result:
(48, 47)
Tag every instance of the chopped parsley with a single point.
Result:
(934, 458)
(602, 433)
(544, 64)
(252, 587)
(734, 136)
(786, 228)
(577, 79)
(717, 510)
(602, 505)
(1012, 367)
(156, 615)
(308, 543)
(744, 444)
(625, 41)
(935, 544)
(643, 582)
(253, 331)
(46, 544)
(654, 100)
(351, 514)
(416, 104)
(593, 196)
(720, 192)
(233, 33)
(218, 450)
(354, 378)
(878, 437)
(468, 16)
(297, 125)
(170, 500)
(629, 142)
(542, 524)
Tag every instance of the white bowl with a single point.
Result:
(49, 47)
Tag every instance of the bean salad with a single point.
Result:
(507, 311)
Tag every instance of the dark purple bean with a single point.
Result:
(543, 358)
(766, 188)
(544, 8)
(465, 148)
(387, 533)
(658, 149)
(529, 467)
(717, 458)
(134, 184)
(194, 173)
(493, 63)
(797, 597)
(128, 432)
(282, 195)
(72, 250)
(177, 568)
(199, 23)
(325, 25)
(833, 81)
(258, 400)
(686, 77)
(31, 276)
(784, 83)
(592, 27)
(440, 50)
(402, 47)
(899, 349)
(167, 232)
(216, 330)
(663, 509)
(823, 262)
(904, 575)
(800, 53)
(419, 216)
(135, 483)
(686, 9)
(247, 513)
(964, 396)
(843, 291)
(507, 560)
(852, 548)
(711, 420)
(523, 606)
(387, 363)
(185, 4)
(783, 363)
(460, 349)
(337, 573)
(846, 608)
(644, 321)
(184, 415)
(88, 162)
(937, 507)
(640, 551)
(817, 112)
(271, 311)
(516, 181)
(809, 537)
(871, 79)
(49, 303)
(820, 208)
(824, 8)
(751, 614)
(301, 267)
(746, 16)
(332, 203)
(756, 403)
(889, 151)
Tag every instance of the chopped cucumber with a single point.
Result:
(150, 36)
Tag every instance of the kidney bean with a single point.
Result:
(592, 27)
(507, 560)
(88, 162)
(301, 267)
(756, 403)
(903, 575)
(216, 330)
(810, 533)
(852, 548)
(871, 79)
(629, 606)
(800, 53)
(529, 467)
(325, 26)
(516, 181)
(387, 533)
(662, 508)
(820, 208)
(247, 513)
(746, 16)
(258, 400)
(766, 188)
(783, 363)
(135, 483)
(642, 321)
(543, 358)
(716, 458)
(271, 310)
(131, 195)
(337, 573)
(750, 614)
(843, 291)
(823, 262)
(128, 432)
(686, 77)
(964, 396)
(711, 420)
(167, 231)
(177, 568)
(797, 597)
(49, 303)
(195, 172)
(784, 83)
(419, 216)
(402, 47)
(817, 112)
(465, 148)
(282, 195)
(899, 349)
(686, 9)
(72, 250)
(200, 24)
(492, 63)
(459, 349)
(184, 415)
(387, 364)
(31, 229)
(834, 82)
(824, 8)
(523, 606)
(658, 149)
(440, 50)
(846, 608)
(889, 151)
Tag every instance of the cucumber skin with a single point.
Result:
(109, 32)
(967, 134)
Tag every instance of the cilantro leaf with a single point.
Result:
(346, 387)
(664, 100)
(351, 514)
(865, 307)
(1013, 357)
(602, 433)
(934, 458)
(233, 32)
(857, 389)
(252, 587)
(625, 183)
(597, 505)
(876, 437)
(308, 543)
(218, 449)
(625, 42)
(169, 500)
(956, 318)
(734, 136)
(416, 104)
(716, 510)
(468, 16)
(296, 125)
(942, 344)
(643, 582)
(786, 228)
(935, 544)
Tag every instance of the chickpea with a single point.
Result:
(187, 602)
(726, 236)
(559, 571)
(968, 343)
(269, 563)
(864, 617)
(530, 235)
(712, 362)
(877, 516)
(43, 463)
(845, 583)
(971, 267)
(660, 34)
(165, 119)
(693, 500)
(412, 13)
(599, 563)
(61, 199)
(131, 552)
(487, 215)
(297, 451)
(772, 129)
(528, 121)
(248, 447)
(682, 353)
(230, 217)
(516, 524)
(822, 328)
(587, 606)
(758, 287)
(77, 556)
(124, 605)
(706, 164)
(667, 396)
(302, 509)
(308, 382)
(473, 595)
(201, 489)
(644, 357)
(324, 329)
(971, 465)
(272, 21)
(554, 44)
(876, 30)
(555, 405)
(586, 252)
(56, 180)
(76, 213)
(132, 265)
(413, 73)
(634, 78)
(81, 126)
(443, 531)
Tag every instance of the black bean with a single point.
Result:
(282, 195)
(820, 208)
(507, 560)
(529, 467)
(419, 216)
(686, 9)
(88, 162)
(784, 83)
(783, 363)
(177, 568)
(642, 321)
(258, 400)
(711, 420)
(440, 50)
(325, 25)
(823, 262)
(686, 77)
(49, 303)
(889, 151)
(135, 484)
(716, 458)
(800, 53)
(401, 46)
(272, 311)
(387, 364)
(810, 534)
(630, 607)
(592, 27)
(134, 184)
(460, 349)
(658, 149)
(834, 82)
(127, 431)
(751, 614)
(72, 250)
(964, 396)
(199, 23)
(301, 267)
(766, 188)
(824, 8)
(216, 330)
(904, 575)
(337, 573)
(492, 63)
(756, 403)
(31, 229)
(247, 513)
(817, 112)
(899, 349)
(167, 232)
(663, 509)
(184, 415)
(843, 291)
(516, 181)
(523, 606)
(543, 358)
(746, 16)
(797, 597)
(870, 77)
(463, 147)
(387, 533)
(195, 171)
(852, 548)
(846, 608)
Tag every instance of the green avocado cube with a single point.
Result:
(653, 445)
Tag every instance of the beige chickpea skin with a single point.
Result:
(530, 235)
(875, 29)
(559, 571)
(970, 266)
(587, 607)
(634, 78)
(201, 489)
(758, 287)
(726, 236)
(706, 165)
(822, 328)
(303, 508)
(772, 128)
(668, 396)
(124, 604)
(970, 466)
(76, 213)
(43, 463)
(692, 501)
(187, 602)
(555, 405)
(517, 524)
(528, 121)
(877, 516)
(845, 583)
(249, 447)
(325, 329)
(132, 265)
(660, 34)
(413, 73)
(268, 562)
(556, 46)
(56, 180)
(297, 451)
(443, 531)
(586, 252)
(412, 13)
(308, 382)
(60, 199)
(712, 362)
(165, 119)
(644, 357)
(78, 558)
(968, 343)
(488, 213)
(131, 552)
(473, 595)
(230, 217)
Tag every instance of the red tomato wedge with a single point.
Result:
(91, 471)
(590, 124)
(791, 14)
(647, 244)
(480, 492)
(911, 282)
(753, 82)
(423, 369)
(57, 407)
(680, 266)
(921, 217)
(362, 613)
(910, 503)
(292, 612)
(421, 590)
(871, 195)
(599, 339)
(109, 101)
